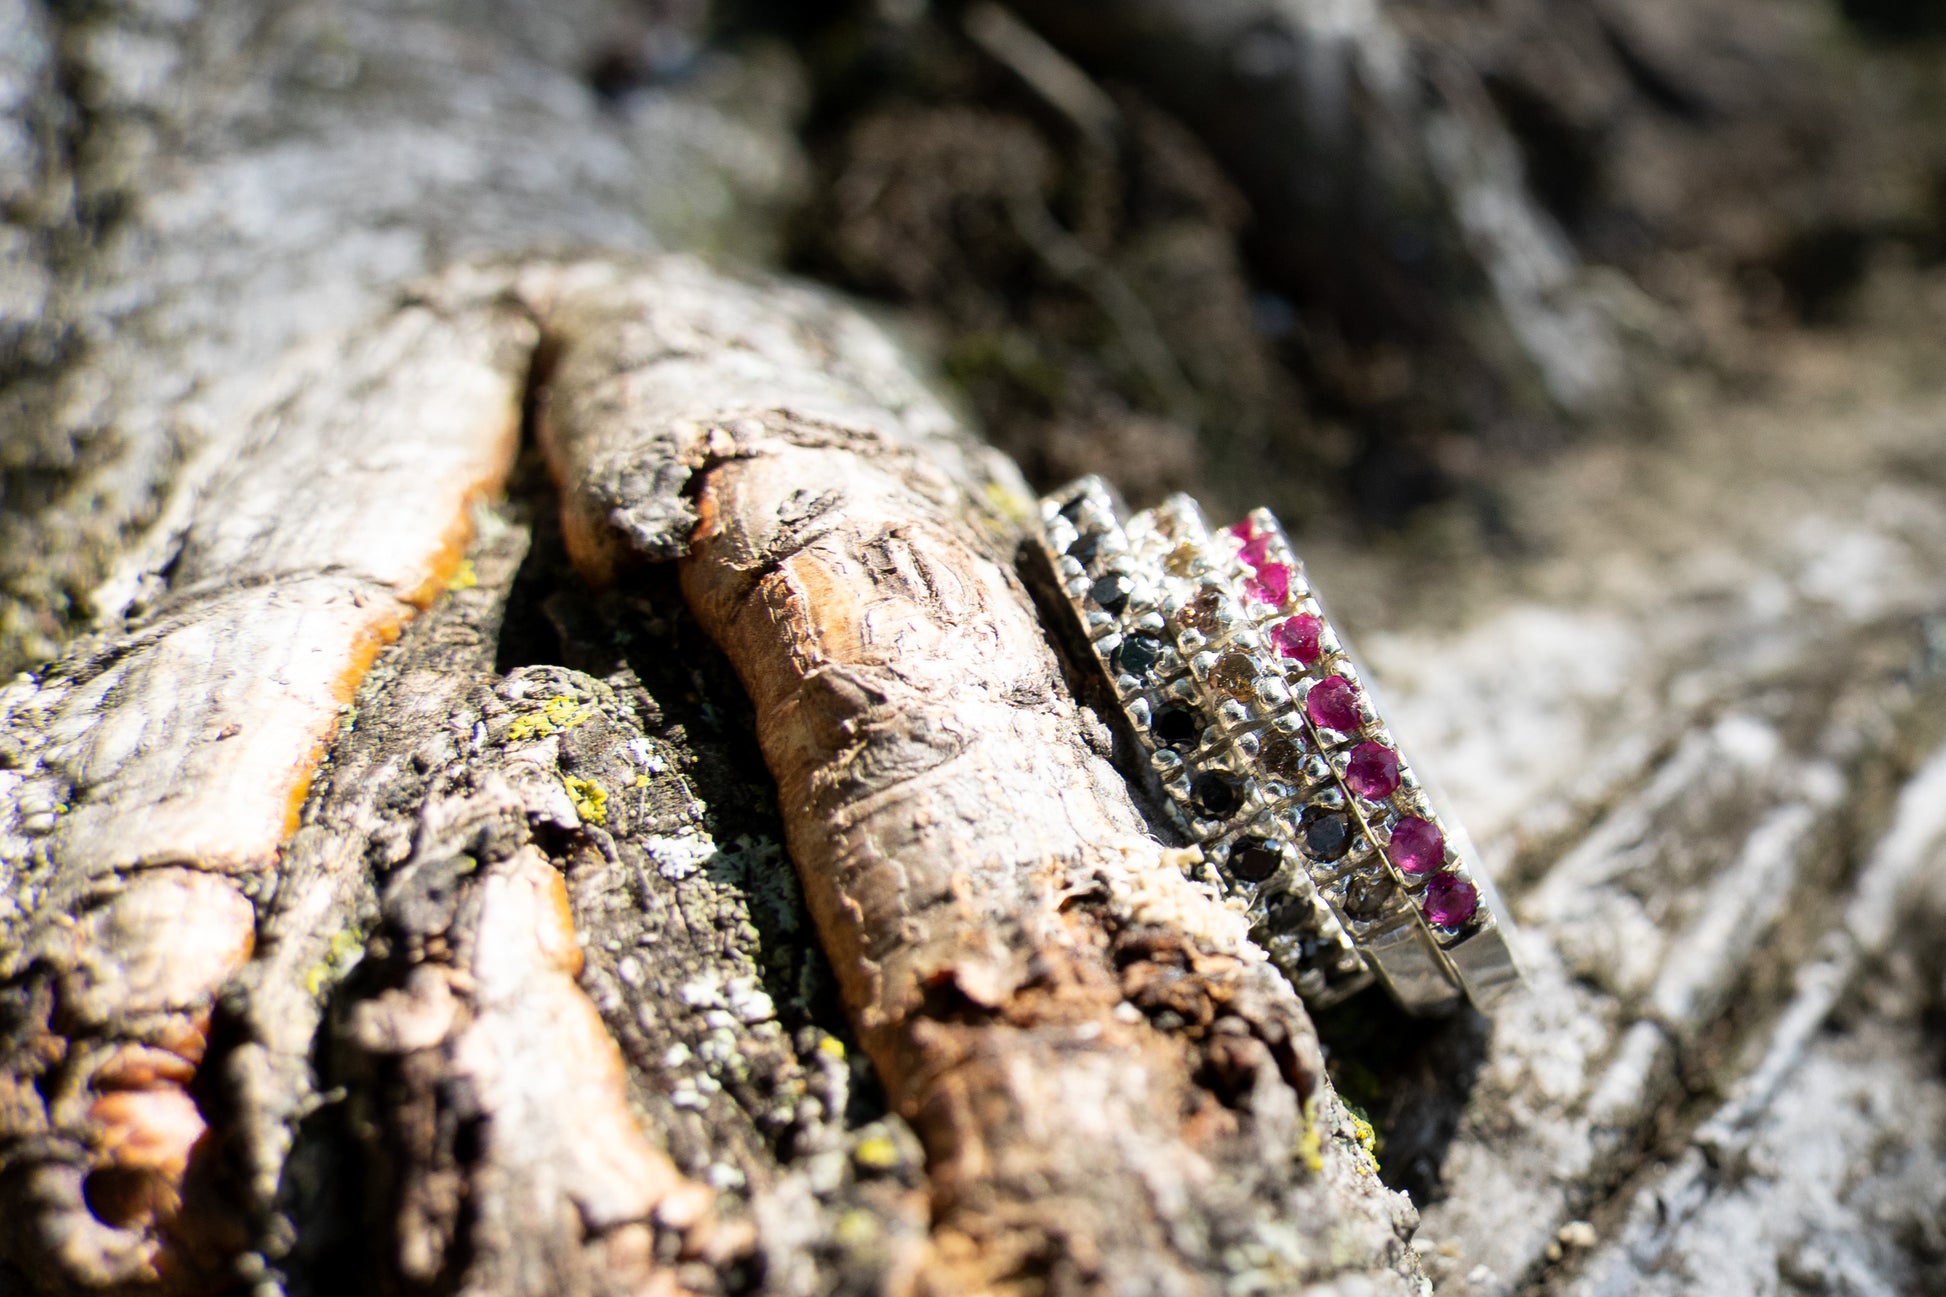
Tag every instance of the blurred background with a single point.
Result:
(1352, 259)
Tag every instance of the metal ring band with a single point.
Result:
(1262, 736)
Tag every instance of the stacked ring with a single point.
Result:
(1262, 737)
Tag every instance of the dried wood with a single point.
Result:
(1112, 1086)
(218, 183)
(172, 764)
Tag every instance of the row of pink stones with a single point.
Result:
(1417, 846)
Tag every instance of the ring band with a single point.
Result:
(1262, 736)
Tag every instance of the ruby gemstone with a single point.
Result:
(1333, 705)
(1373, 771)
(1256, 552)
(1271, 584)
(1244, 531)
(1450, 901)
(1417, 847)
(1297, 637)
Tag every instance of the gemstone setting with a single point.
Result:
(1297, 638)
(1332, 704)
(1373, 771)
(1450, 901)
(1268, 753)
(1417, 846)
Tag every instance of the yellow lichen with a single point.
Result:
(877, 1153)
(464, 577)
(856, 1229)
(1310, 1144)
(1011, 505)
(1367, 1136)
(338, 957)
(561, 712)
(832, 1047)
(590, 799)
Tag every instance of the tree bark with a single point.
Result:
(543, 775)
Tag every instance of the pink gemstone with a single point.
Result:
(1272, 584)
(1245, 531)
(1418, 847)
(1255, 552)
(1333, 704)
(1373, 771)
(1297, 637)
(1450, 901)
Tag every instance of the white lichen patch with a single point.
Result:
(680, 856)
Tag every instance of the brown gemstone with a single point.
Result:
(1201, 613)
(1365, 896)
(1181, 560)
(1235, 674)
(1283, 758)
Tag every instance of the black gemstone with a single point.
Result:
(1327, 834)
(1137, 653)
(1217, 793)
(1084, 548)
(1253, 860)
(1288, 913)
(1177, 727)
(1365, 897)
(1072, 509)
(1111, 592)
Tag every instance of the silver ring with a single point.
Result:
(1261, 734)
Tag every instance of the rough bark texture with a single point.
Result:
(1113, 1088)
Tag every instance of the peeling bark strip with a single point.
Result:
(185, 749)
(561, 1190)
(1114, 1090)
(507, 1151)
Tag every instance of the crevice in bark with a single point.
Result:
(1410, 1077)
(529, 635)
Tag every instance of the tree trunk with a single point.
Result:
(540, 773)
